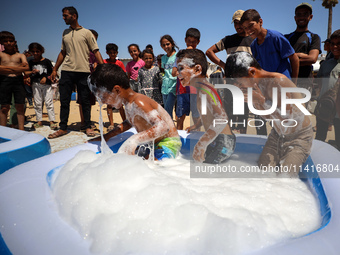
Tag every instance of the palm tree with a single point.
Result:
(329, 4)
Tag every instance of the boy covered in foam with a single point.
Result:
(153, 124)
(218, 142)
(290, 140)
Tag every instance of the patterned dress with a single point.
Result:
(150, 82)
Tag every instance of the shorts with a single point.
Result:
(186, 103)
(183, 105)
(167, 148)
(220, 149)
(9, 86)
(287, 150)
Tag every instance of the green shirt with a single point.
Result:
(169, 81)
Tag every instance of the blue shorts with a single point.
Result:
(186, 103)
(183, 105)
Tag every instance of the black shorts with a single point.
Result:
(12, 86)
(220, 149)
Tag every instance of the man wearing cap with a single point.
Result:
(232, 43)
(307, 45)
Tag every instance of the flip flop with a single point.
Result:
(36, 125)
(90, 133)
(57, 134)
(53, 126)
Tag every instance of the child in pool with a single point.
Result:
(218, 142)
(151, 121)
(287, 145)
(150, 77)
(133, 66)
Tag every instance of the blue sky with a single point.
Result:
(144, 22)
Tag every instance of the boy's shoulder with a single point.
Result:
(276, 34)
(144, 102)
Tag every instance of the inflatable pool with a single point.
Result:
(17, 147)
(30, 223)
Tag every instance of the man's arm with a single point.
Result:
(294, 62)
(308, 59)
(211, 54)
(98, 56)
(60, 60)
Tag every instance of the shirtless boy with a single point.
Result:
(12, 65)
(287, 145)
(218, 142)
(153, 124)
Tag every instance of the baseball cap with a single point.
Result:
(237, 15)
(309, 6)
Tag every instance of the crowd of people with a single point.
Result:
(167, 80)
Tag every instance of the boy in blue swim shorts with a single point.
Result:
(153, 124)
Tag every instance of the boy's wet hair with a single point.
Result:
(148, 51)
(71, 10)
(111, 46)
(238, 63)
(250, 15)
(169, 38)
(107, 76)
(193, 32)
(36, 45)
(6, 35)
(335, 35)
(198, 57)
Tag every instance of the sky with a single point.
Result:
(145, 22)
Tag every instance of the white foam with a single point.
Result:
(125, 205)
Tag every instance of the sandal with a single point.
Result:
(53, 126)
(90, 133)
(57, 134)
(36, 125)
(110, 128)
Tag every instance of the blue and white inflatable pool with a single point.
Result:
(30, 223)
(17, 147)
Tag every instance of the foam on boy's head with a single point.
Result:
(238, 64)
(197, 56)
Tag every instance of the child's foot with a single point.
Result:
(90, 133)
(110, 128)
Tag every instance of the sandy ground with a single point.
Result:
(75, 137)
